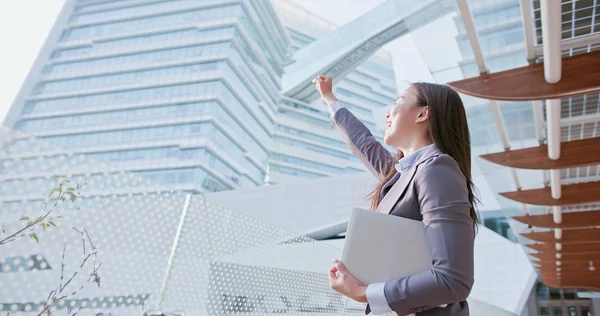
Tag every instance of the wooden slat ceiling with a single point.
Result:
(568, 257)
(581, 286)
(575, 284)
(569, 220)
(583, 275)
(564, 280)
(572, 154)
(573, 276)
(580, 75)
(576, 267)
(568, 248)
(568, 235)
(580, 231)
(572, 194)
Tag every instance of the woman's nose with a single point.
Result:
(387, 115)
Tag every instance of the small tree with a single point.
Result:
(63, 192)
(51, 211)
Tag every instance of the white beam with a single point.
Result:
(465, 13)
(551, 35)
(516, 179)
(500, 124)
(530, 41)
(546, 177)
(553, 122)
(555, 184)
(579, 180)
(580, 119)
(572, 42)
(182, 218)
(556, 214)
(538, 113)
(558, 234)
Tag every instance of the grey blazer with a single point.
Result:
(433, 190)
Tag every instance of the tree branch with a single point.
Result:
(61, 292)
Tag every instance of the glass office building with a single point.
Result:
(182, 91)
(187, 92)
(306, 144)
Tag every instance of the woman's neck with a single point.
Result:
(415, 145)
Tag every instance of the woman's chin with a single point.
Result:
(386, 140)
(390, 140)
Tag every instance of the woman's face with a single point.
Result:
(404, 119)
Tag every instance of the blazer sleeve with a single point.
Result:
(443, 198)
(363, 144)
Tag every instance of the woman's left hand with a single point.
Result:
(346, 284)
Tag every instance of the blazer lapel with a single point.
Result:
(397, 190)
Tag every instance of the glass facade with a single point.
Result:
(552, 302)
(160, 84)
(500, 31)
(182, 91)
(306, 129)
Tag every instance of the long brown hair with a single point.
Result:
(450, 133)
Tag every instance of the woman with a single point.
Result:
(429, 179)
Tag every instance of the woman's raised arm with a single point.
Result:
(358, 137)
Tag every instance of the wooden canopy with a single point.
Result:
(590, 246)
(568, 235)
(567, 265)
(572, 194)
(580, 75)
(569, 220)
(568, 257)
(567, 278)
(572, 154)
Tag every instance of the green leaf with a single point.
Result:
(34, 236)
(72, 196)
(39, 219)
(52, 223)
(71, 189)
(53, 191)
(44, 225)
(24, 218)
(60, 216)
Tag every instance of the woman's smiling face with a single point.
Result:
(404, 118)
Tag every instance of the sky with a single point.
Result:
(23, 32)
(24, 25)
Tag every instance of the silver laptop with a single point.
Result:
(381, 247)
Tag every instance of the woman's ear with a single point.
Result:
(423, 114)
